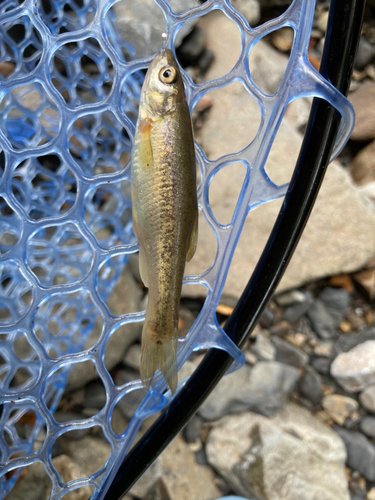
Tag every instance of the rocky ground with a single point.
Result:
(297, 422)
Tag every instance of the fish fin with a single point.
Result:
(143, 269)
(158, 356)
(193, 241)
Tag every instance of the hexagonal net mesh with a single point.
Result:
(69, 88)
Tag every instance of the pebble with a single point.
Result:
(68, 416)
(322, 365)
(361, 453)
(371, 494)
(346, 342)
(355, 369)
(130, 402)
(290, 297)
(366, 280)
(291, 456)
(294, 312)
(310, 385)
(95, 396)
(267, 318)
(176, 476)
(263, 389)
(339, 407)
(363, 165)
(328, 311)
(282, 39)
(363, 101)
(365, 53)
(324, 348)
(289, 354)
(367, 426)
(264, 348)
(367, 398)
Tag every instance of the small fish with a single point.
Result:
(165, 209)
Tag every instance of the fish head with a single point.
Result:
(163, 88)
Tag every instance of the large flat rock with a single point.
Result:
(339, 236)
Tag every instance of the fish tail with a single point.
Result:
(158, 355)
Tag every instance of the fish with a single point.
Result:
(164, 209)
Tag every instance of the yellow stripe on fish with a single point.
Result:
(165, 209)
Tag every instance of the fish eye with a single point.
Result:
(168, 74)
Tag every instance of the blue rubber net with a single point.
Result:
(65, 213)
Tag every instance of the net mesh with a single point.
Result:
(69, 89)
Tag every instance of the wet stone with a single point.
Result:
(367, 426)
(361, 453)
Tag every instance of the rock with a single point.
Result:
(133, 357)
(267, 318)
(355, 369)
(294, 312)
(291, 456)
(95, 396)
(130, 402)
(289, 354)
(192, 429)
(178, 476)
(69, 471)
(35, 484)
(361, 453)
(339, 407)
(263, 347)
(324, 348)
(328, 311)
(263, 389)
(366, 280)
(339, 234)
(192, 47)
(125, 298)
(371, 494)
(141, 23)
(365, 53)
(205, 62)
(367, 398)
(250, 9)
(363, 165)
(310, 385)
(367, 426)
(363, 101)
(282, 39)
(346, 342)
(90, 453)
(68, 416)
(322, 365)
(321, 22)
(290, 297)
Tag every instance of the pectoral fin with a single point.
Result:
(193, 241)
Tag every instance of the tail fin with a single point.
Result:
(158, 355)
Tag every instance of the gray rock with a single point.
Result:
(290, 297)
(36, 485)
(328, 311)
(355, 370)
(339, 234)
(192, 429)
(361, 453)
(291, 456)
(263, 347)
(250, 9)
(294, 312)
(177, 476)
(289, 354)
(367, 398)
(365, 53)
(346, 342)
(322, 365)
(90, 453)
(310, 385)
(130, 402)
(125, 298)
(263, 389)
(141, 23)
(367, 426)
(363, 101)
(133, 357)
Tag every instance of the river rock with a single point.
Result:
(310, 385)
(263, 347)
(355, 369)
(363, 165)
(328, 311)
(35, 485)
(263, 389)
(346, 342)
(339, 407)
(125, 298)
(339, 234)
(361, 453)
(363, 101)
(367, 398)
(291, 456)
(141, 23)
(178, 476)
(367, 426)
(289, 354)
